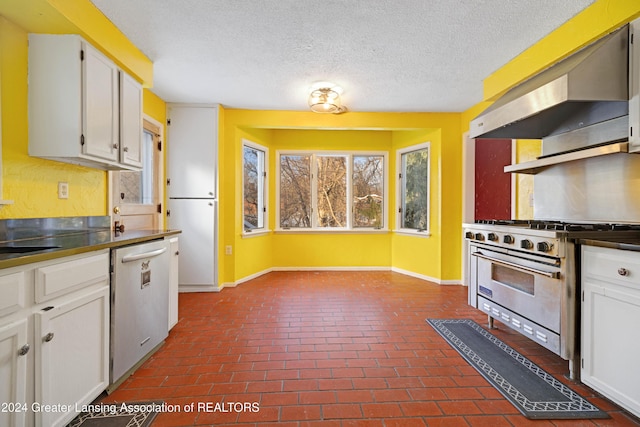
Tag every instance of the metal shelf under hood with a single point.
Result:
(535, 166)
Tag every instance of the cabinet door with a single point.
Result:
(130, 121)
(13, 371)
(192, 147)
(72, 353)
(173, 281)
(610, 318)
(634, 87)
(100, 112)
(197, 218)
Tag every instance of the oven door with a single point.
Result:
(528, 285)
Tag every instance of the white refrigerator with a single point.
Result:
(192, 192)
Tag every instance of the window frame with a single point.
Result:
(265, 190)
(349, 154)
(399, 191)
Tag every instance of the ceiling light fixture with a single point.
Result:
(326, 99)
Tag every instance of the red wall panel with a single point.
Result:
(492, 184)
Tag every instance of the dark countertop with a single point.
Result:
(73, 242)
(627, 244)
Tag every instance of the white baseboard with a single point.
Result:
(331, 269)
(394, 269)
(424, 277)
(198, 288)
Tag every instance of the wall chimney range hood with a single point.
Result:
(585, 89)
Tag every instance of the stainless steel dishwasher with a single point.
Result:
(139, 305)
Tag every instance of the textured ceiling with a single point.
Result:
(406, 55)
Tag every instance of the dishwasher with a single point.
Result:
(139, 305)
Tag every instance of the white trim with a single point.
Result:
(265, 188)
(260, 232)
(197, 288)
(412, 233)
(427, 278)
(368, 268)
(399, 153)
(349, 154)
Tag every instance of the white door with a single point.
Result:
(197, 220)
(100, 97)
(72, 354)
(136, 196)
(192, 149)
(13, 371)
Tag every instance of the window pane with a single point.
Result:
(295, 191)
(332, 191)
(137, 187)
(368, 189)
(253, 188)
(415, 189)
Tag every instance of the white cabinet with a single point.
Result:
(14, 348)
(634, 86)
(192, 151)
(78, 99)
(72, 347)
(610, 319)
(54, 337)
(174, 247)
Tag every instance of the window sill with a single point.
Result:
(332, 231)
(6, 202)
(413, 233)
(255, 233)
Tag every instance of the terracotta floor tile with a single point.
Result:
(332, 349)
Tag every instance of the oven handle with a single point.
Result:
(553, 275)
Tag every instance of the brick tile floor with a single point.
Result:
(331, 349)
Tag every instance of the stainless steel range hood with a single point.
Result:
(587, 88)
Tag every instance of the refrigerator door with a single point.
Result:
(192, 149)
(197, 218)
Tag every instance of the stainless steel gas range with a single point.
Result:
(524, 274)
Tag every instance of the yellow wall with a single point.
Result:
(279, 130)
(32, 183)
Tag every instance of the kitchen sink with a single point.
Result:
(24, 249)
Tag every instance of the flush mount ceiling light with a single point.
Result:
(326, 99)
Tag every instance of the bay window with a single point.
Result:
(254, 188)
(331, 191)
(413, 189)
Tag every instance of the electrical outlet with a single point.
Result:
(63, 190)
(228, 250)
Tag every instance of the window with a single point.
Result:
(331, 191)
(254, 190)
(413, 188)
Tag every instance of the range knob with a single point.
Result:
(493, 237)
(543, 246)
(468, 235)
(526, 244)
(479, 236)
(508, 238)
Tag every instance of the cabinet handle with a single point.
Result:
(115, 146)
(623, 271)
(24, 350)
(125, 149)
(48, 337)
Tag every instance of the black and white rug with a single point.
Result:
(126, 414)
(536, 393)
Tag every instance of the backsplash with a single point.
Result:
(18, 229)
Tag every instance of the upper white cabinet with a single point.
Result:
(634, 86)
(192, 147)
(82, 108)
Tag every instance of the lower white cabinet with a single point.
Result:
(173, 281)
(610, 319)
(72, 347)
(14, 349)
(54, 338)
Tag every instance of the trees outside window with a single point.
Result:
(254, 201)
(414, 188)
(331, 190)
